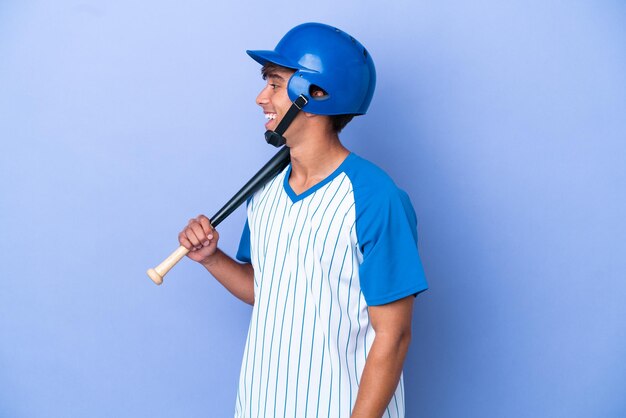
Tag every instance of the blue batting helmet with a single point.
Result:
(330, 59)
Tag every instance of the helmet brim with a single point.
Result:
(264, 57)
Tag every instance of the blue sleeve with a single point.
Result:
(387, 233)
(243, 253)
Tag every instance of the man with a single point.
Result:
(328, 255)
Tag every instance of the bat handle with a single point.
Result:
(157, 273)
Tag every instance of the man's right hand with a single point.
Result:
(200, 238)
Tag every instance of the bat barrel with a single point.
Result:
(268, 171)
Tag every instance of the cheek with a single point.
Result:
(284, 100)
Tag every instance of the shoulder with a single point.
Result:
(380, 204)
(365, 175)
(372, 186)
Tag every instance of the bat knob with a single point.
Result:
(156, 277)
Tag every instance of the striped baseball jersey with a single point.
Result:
(320, 259)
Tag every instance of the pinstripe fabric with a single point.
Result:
(310, 332)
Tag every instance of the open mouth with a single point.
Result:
(270, 116)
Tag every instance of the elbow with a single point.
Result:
(248, 291)
(246, 296)
(404, 339)
(397, 340)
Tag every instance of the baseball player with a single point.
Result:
(328, 256)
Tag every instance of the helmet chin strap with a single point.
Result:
(276, 137)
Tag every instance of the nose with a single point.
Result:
(263, 97)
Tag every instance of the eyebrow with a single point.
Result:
(274, 76)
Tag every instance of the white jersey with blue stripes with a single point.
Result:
(320, 259)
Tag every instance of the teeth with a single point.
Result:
(270, 116)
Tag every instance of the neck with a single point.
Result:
(317, 156)
(313, 159)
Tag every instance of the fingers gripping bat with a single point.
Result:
(267, 172)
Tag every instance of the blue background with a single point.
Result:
(120, 120)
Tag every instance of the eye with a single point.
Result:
(273, 86)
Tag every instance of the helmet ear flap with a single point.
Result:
(298, 85)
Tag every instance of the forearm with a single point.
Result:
(237, 278)
(381, 375)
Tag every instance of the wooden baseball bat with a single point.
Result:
(267, 172)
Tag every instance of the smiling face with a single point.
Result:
(274, 98)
